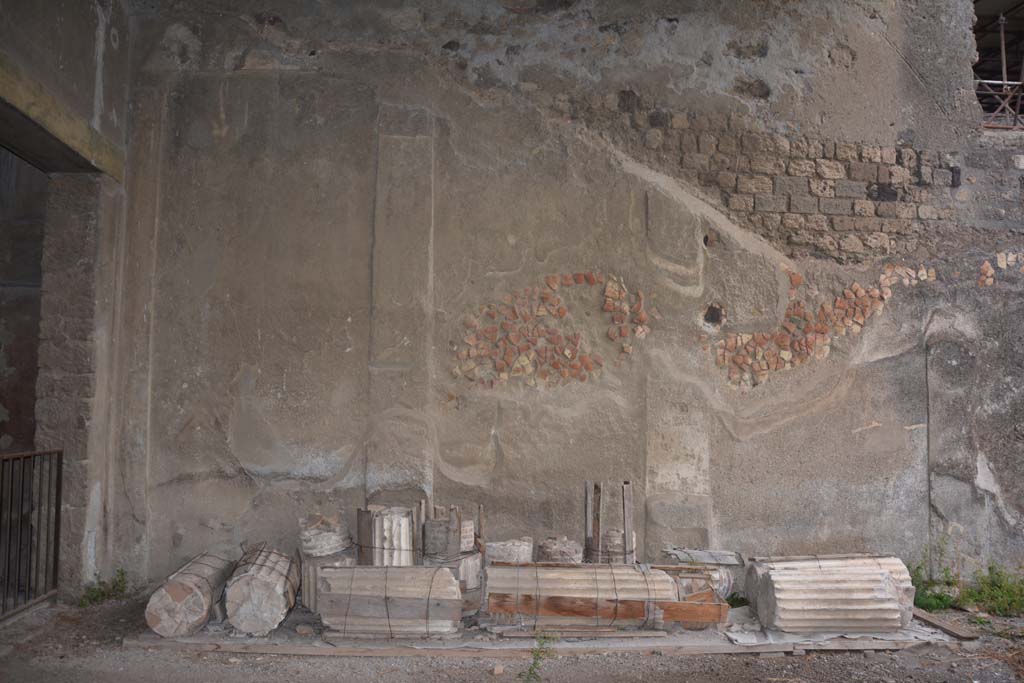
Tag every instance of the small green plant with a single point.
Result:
(102, 591)
(541, 651)
(997, 592)
(980, 621)
(932, 594)
(736, 600)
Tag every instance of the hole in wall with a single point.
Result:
(714, 314)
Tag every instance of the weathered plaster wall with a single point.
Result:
(79, 50)
(65, 69)
(327, 205)
(74, 397)
(22, 206)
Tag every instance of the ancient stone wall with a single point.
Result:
(73, 386)
(370, 252)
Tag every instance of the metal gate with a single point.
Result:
(30, 493)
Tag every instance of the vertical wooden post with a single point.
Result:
(364, 537)
(480, 522)
(597, 521)
(1002, 48)
(454, 532)
(588, 521)
(628, 540)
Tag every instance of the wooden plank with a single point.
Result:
(480, 524)
(695, 612)
(628, 539)
(588, 521)
(454, 651)
(704, 557)
(946, 626)
(701, 597)
(857, 644)
(364, 536)
(581, 634)
(418, 514)
(798, 558)
(555, 565)
(562, 606)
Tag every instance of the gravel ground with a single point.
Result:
(78, 645)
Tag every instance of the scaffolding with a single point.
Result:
(1001, 99)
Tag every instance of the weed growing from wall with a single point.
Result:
(103, 591)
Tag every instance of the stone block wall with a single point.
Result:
(66, 384)
(839, 199)
(300, 263)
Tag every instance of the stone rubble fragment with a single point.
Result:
(527, 336)
(805, 334)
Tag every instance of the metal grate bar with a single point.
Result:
(30, 500)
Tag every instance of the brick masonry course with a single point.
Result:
(867, 200)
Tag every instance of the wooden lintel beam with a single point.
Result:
(36, 103)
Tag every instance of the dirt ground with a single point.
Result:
(73, 645)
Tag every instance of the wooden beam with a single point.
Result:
(34, 102)
(562, 606)
(628, 538)
(588, 521)
(945, 626)
(583, 633)
(508, 651)
(364, 537)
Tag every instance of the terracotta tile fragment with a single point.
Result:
(579, 278)
(590, 278)
(567, 280)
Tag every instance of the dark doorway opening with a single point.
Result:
(22, 213)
